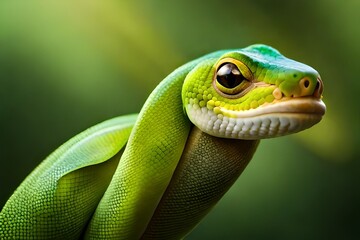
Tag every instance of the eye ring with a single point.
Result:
(231, 77)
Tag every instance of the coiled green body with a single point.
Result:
(156, 175)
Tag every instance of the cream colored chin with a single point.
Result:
(264, 122)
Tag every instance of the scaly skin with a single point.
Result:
(278, 96)
(170, 173)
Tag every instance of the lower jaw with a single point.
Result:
(263, 126)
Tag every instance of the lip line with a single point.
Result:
(302, 106)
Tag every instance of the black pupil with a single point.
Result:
(229, 76)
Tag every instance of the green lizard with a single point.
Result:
(157, 174)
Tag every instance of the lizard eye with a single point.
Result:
(229, 79)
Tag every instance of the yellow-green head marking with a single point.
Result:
(252, 93)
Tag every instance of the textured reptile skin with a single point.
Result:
(207, 169)
(61, 194)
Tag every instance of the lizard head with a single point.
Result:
(252, 93)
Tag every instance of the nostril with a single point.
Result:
(306, 83)
(305, 87)
(308, 87)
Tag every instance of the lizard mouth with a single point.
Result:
(305, 105)
(301, 105)
(281, 117)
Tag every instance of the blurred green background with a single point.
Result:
(67, 65)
